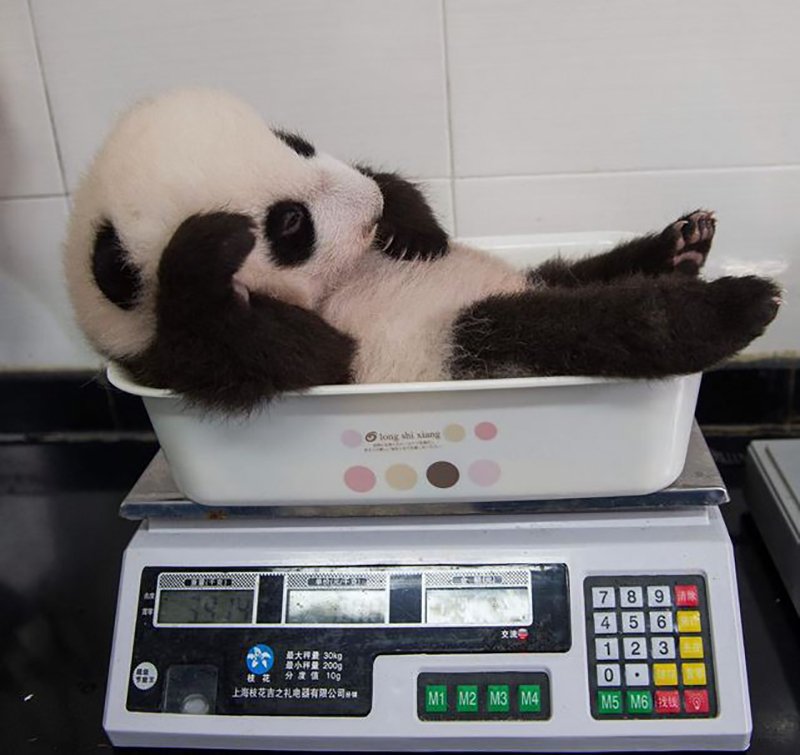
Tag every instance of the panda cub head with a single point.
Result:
(195, 153)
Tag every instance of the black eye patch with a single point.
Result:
(290, 231)
(116, 276)
(303, 147)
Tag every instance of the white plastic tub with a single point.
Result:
(514, 439)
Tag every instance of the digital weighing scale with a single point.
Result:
(604, 624)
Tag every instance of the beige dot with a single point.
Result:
(401, 477)
(454, 433)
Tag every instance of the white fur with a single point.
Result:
(198, 151)
(402, 313)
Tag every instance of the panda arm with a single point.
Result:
(226, 350)
(408, 228)
(681, 247)
(636, 328)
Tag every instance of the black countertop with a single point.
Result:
(61, 542)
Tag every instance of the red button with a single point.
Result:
(686, 595)
(695, 700)
(668, 701)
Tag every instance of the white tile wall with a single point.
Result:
(28, 164)
(363, 79)
(554, 87)
(516, 117)
(36, 324)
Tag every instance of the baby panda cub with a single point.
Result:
(231, 263)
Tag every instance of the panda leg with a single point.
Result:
(638, 327)
(227, 349)
(682, 247)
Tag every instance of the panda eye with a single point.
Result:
(291, 221)
(290, 231)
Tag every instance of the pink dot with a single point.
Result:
(484, 472)
(486, 430)
(359, 479)
(351, 438)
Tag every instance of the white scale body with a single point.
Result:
(450, 671)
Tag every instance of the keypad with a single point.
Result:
(649, 647)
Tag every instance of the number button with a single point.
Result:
(608, 675)
(637, 675)
(632, 622)
(605, 622)
(604, 597)
(634, 647)
(630, 597)
(663, 647)
(658, 596)
(606, 649)
(661, 622)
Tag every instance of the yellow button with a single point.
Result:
(694, 674)
(688, 621)
(691, 647)
(665, 674)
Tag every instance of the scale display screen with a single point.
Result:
(378, 596)
(205, 606)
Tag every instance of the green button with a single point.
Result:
(529, 698)
(467, 698)
(639, 701)
(498, 699)
(609, 701)
(436, 698)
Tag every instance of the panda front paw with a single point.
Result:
(408, 229)
(411, 244)
(203, 255)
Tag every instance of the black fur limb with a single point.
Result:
(636, 328)
(408, 229)
(219, 350)
(682, 247)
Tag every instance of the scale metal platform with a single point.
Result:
(556, 626)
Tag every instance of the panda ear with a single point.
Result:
(114, 272)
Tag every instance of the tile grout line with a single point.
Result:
(29, 197)
(783, 167)
(39, 62)
(448, 103)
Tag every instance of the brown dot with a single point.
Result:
(442, 474)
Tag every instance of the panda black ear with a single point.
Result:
(114, 272)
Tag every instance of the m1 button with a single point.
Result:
(436, 698)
